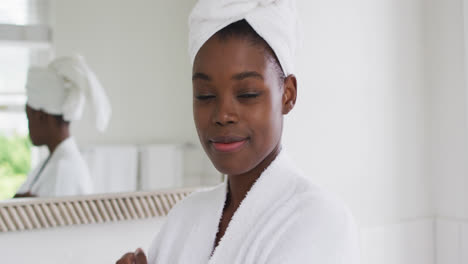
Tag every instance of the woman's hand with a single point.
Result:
(137, 257)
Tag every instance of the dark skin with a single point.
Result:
(45, 129)
(239, 101)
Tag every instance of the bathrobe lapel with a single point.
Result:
(249, 223)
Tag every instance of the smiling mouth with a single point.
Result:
(228, 144)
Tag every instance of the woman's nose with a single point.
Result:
(225, 113)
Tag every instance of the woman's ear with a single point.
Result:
(289, 93)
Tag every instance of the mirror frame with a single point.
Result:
(24, 214)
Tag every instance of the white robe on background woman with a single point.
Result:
(63, 173)
(283, 219)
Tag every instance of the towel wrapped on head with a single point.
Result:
(63, 87)
(274, 20)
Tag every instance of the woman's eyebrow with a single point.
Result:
(201, 76)
(247, 74)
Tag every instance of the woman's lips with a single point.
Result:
(228, 144)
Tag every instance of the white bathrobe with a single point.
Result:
(283, 219)
(64, 173)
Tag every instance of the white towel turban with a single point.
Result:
(274, 20)
(63, 88)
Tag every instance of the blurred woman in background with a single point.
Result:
(56, 96)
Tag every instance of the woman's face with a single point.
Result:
(238, 103)
(35, 125)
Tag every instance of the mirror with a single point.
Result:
(138, 52)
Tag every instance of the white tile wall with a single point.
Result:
(448, 238)
(406, 243)
(464, 243)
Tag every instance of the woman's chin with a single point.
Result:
(230, 167)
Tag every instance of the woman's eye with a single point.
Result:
(248, 95)
(204, 97)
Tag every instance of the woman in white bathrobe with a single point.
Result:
(266, 211)
(64, 172)
(56, 96)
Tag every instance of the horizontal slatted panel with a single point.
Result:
(45, 213)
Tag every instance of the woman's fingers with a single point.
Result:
(137, 257)
(128, 258)
(140, 257)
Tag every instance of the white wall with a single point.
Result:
(98, 243)
(139, 51)
(448, 108)
(447, 127)
(359, 124)
(358, 127)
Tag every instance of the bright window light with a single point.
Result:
(14, 12)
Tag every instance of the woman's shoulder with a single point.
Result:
(311, 196)
(321, 228)
(317, 202)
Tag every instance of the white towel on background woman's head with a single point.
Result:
(63, 88)
(274, 20)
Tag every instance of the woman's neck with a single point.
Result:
(53, 144)
(239, 185)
